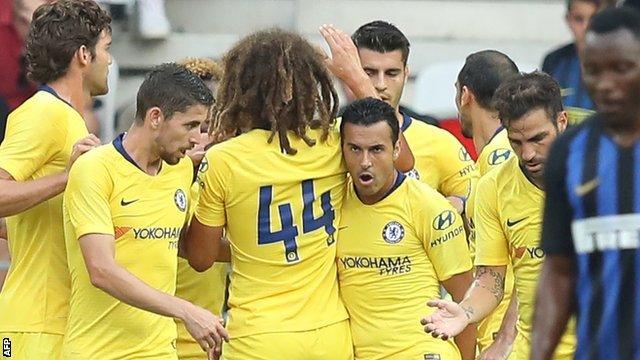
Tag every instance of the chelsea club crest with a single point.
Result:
(393, 232)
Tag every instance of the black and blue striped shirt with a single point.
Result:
(592, 214)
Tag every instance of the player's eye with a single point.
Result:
(354, 148)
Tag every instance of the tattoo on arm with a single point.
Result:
(497, 287)
(468, 310)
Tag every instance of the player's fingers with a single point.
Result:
(94, 139)
(211, 343)
(435, 303)
(83, 148)
(204, 345)
(326, 34)
(222, 331)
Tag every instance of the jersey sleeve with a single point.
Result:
(457, 168)
(492, 248)
(442, 232)
(557, 238)
(87, 195)
(30, 141)
(211, 210)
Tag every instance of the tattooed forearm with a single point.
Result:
(496, 286)
(468, 310)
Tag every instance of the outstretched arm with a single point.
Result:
(457, 286)
(483, 297)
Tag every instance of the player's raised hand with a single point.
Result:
(448, 321)
(82, 146)
(206, 328)
(344, 61)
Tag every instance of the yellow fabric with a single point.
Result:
(522, 347)
(508, 227)
(328, 342)
(32, 346)
(284, 276)
(106, 194)
(204, 289)
(39, 139)
(495, 153)
(392, 256)
(440, 160)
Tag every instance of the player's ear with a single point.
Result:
(466, 96)
(154, 116)
(396, 150)
(562, 120)
(83, 54)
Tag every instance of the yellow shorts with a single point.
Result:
(329, 342)
(522, 348)
(31, 346)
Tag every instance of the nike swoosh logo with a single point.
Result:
(125, 203)
(513, 223)
(587, 187)
(342, 227)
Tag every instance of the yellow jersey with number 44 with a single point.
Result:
(108, 194)
(392, 256)
(509, 222)
(281, 213)
(39, 140)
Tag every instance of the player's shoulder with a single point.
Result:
(423, 197)
(557, 55)
(42, 110)
(96, 161)
(563, 141)
(105, 153)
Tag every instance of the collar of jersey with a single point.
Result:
(399, 180)
(406, 121)
(117, 143)
(50, 90)
(500, 128)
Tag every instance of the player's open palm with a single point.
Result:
(447, 321)
(344, 60)
(206, 328)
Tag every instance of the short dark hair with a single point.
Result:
(527, 92)
(483, 72)
(594, 2)
(382, 37)
(369, 111)
(172, 88)
(57, 31)
(613, 19)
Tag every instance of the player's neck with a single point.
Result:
(384, 191)
(624, 134)
(399, 116)
(485, 125)
(70, 89)
(139, 145)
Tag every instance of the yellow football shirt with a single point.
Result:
(440, 160)
(495, 152)
(509, 223)
(39, 139)
(392, 256)
(108, 194)
(281, 214)
(205, 289)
